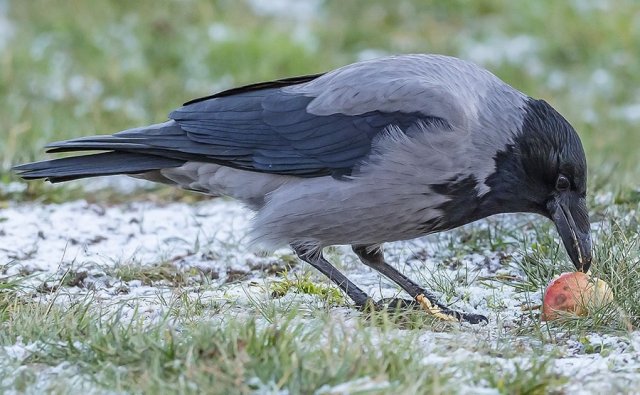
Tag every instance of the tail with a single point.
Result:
(132, 151)
(103, 164)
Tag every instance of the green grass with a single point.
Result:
(187, 355)
(163, 273)
(534, 378)
(304, 284)
(74, 68)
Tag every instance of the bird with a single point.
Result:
(381, 150)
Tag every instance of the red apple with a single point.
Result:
(574, 292)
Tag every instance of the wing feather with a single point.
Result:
(312, 125)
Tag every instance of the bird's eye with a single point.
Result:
(562, 183)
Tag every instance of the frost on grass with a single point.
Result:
(139, 252)
(191, 262)
(16, 371)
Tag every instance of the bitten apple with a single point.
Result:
(574, 292)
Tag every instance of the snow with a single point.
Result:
(12, 356)
(12, 187)
(363, 384)
(43, 236)
(19, 350)
(49, 241)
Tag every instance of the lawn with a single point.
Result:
(115, 286)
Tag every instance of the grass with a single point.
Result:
(239, 355)
(531, 378)
(306, 285)
(74, 68)
(164, 272)
(122, 65)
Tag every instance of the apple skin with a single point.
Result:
(574, 292)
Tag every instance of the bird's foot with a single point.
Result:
(447, 314)
(434, 308)
(397, 304)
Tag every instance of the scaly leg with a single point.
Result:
(315, 258)
(373, 257)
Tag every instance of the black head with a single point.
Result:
(545, 172)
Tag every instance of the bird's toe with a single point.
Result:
(473, 318)
(431, 306)
(397, 304)
(424, 304)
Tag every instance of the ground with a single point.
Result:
(118, 286)
(183, 268)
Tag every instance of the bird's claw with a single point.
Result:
(423, 303)
(397, 304)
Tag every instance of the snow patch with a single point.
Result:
(57, 240)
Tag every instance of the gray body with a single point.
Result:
(388, 196)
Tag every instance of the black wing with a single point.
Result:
(271, 131)
(259, 127)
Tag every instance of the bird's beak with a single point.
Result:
(571, 216)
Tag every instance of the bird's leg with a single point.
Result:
(373, 257)
(314, 257)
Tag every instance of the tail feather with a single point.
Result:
(102, 164)
(76, 146)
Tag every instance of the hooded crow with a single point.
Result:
(377, 151)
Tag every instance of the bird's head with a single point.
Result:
(545, 171)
